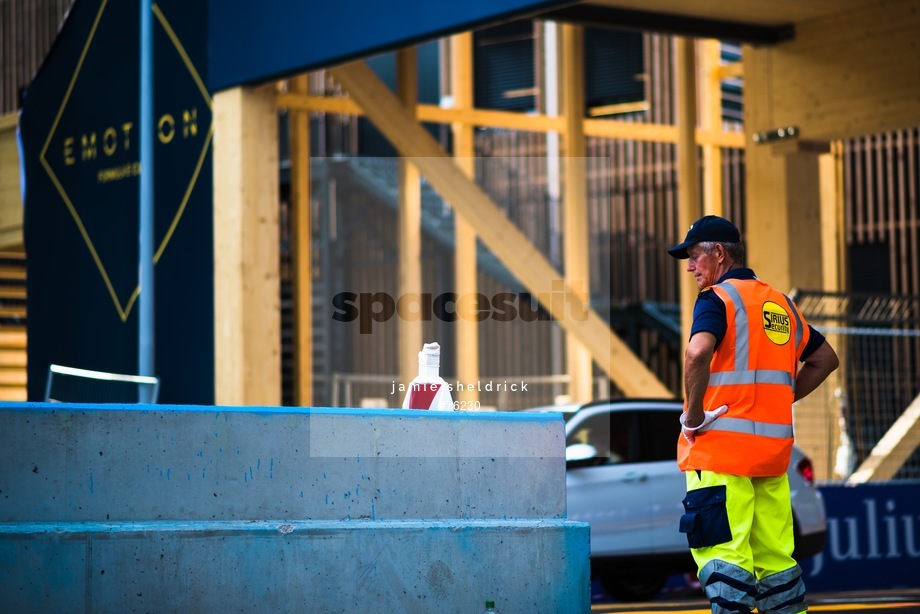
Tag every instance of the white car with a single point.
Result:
(622, 479)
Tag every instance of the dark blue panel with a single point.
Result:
(255, 41)
(613, 64)
(80, 138)
(873, 539)
(504, 61)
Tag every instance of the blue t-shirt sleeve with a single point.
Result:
(815, 340)
(709, 316)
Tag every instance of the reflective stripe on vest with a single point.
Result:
(798, 321)
(743, 375)
(759, 376)
(750, 427)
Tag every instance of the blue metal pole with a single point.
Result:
(145, 347)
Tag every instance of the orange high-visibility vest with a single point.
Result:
(753, 371)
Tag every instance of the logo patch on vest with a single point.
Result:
(776, 323)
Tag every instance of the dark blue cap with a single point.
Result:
(708, 228)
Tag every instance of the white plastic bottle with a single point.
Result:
(490, 607)
(429, 390)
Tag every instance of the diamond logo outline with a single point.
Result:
(125, 310)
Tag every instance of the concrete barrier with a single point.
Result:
(169, 508)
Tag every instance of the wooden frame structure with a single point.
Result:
(832, 70)
(787, 181)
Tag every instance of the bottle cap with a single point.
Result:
(430, 356)
(490, 604)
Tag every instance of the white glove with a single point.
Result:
(689, 432)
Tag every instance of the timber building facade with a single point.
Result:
(632, 195)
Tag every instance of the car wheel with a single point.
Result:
(633, 587)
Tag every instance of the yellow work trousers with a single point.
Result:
(740, 533)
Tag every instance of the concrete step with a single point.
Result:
(296, 566)
(153, 508)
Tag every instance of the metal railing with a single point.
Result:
(71, 385)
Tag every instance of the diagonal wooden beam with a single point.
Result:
(500, 235)
(893, 449)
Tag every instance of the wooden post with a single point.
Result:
(827, 410)
(10, 199)
(711, 119)
(461, 74)
(301, 250)
(247, 297)
(575, 200)
(688, 169)
(410, 223)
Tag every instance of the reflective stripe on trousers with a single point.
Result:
(755, 568)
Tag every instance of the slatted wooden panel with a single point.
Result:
(882, 224)
(882, 173)
(27, 31)
(13, 315)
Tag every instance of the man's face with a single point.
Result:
(705, 267)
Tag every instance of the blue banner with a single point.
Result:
(873, 539)
(252, 42)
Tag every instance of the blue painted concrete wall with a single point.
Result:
(152, 508)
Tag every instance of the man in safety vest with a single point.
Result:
(741, 376)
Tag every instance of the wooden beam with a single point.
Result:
(826, 407)
(10, 193)
(409, 196)
(575, 239)
(301, 250)
(711, 118)
(893, 449)
(512, 120)
(509, 120)
(618, 109)
(496, 231)
(461, 75)
(247, 313)
(735, 70)
(797, 146)
(322, 104)
(688, 169)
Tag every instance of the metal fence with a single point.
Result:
(878, 340)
